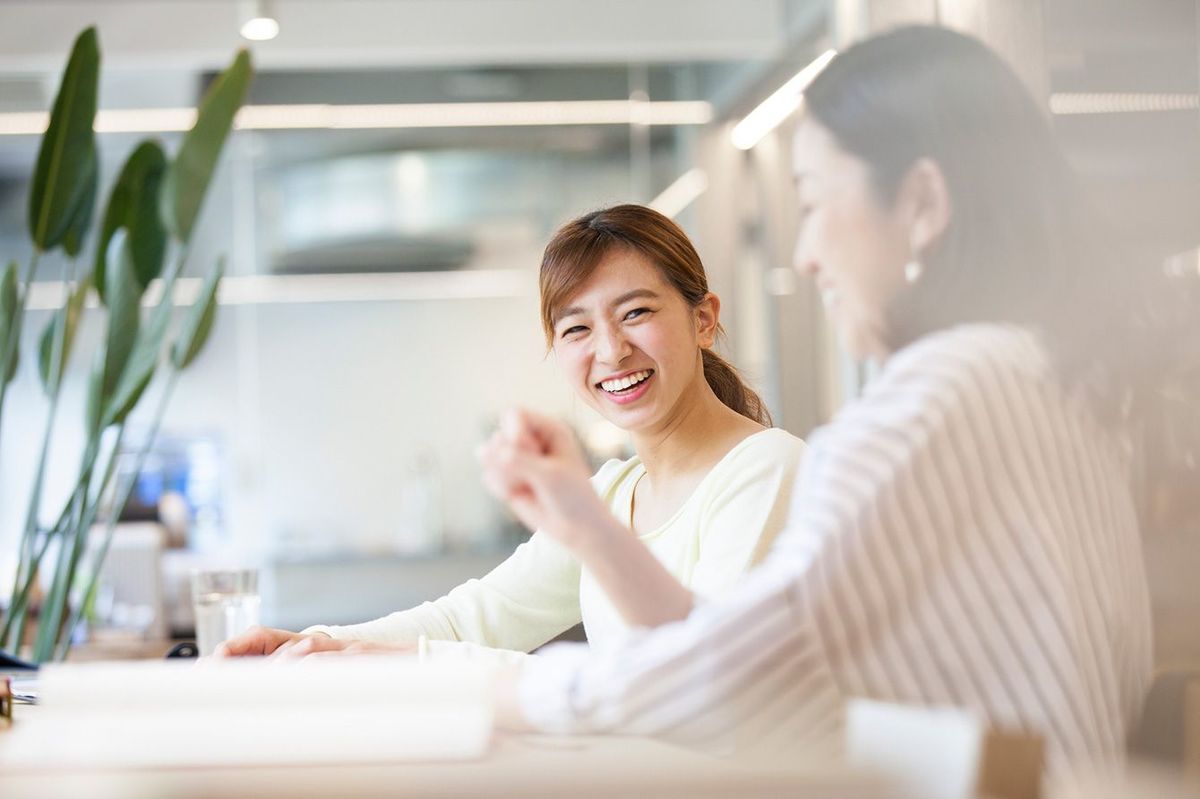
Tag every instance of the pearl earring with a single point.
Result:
(913, 270)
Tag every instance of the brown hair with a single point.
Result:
(580, 245)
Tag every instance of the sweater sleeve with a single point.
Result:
(745, 510)
(521, 604)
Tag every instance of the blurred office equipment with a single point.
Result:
(130, 597)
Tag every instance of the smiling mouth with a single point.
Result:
(626, 384)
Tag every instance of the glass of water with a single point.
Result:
(226, 602)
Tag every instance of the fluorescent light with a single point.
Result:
(408, 115)
(138, 120)
(1121, 102)
(458, 115)
(260, 29)
(258, 20)
(680, 194)
(297, 289)
(23, 123)
(776, 108)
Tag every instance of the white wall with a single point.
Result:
(320, 410)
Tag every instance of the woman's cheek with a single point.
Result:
(578, 366)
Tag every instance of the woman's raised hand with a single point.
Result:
(534, 465)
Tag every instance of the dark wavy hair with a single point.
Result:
(1022, 244)
(580, 245)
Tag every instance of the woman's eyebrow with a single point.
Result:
(635, 294)
(574, 310)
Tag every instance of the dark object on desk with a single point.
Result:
(187, 649)
(6, 701)
(11, 663)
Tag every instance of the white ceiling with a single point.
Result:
(35, 35)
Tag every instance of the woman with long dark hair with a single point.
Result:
(963, 534)
(627, 312)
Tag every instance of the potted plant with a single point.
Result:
(143, 235)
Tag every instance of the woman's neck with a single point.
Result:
(698, 434)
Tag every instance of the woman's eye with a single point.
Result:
(570, 331)
(636, 312)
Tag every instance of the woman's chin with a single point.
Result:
(630, 418)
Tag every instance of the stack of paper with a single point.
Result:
(253, 711)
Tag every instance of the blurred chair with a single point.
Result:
(1169, 728)
(1191, 729)
(130, 588)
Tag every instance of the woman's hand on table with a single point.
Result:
(320, 645)
(260, 641)
(534, 465)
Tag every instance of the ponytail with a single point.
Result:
(729, 387)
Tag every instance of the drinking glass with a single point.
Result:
(226, 602)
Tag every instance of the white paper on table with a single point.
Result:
(253, 711)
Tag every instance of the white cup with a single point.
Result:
(226, 603)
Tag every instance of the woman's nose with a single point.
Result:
(802, 260)
(611, 345)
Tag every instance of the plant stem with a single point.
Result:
(54, 388)
(20, 593)
(10, 340)
(122, 497)
(70, 510)
(79, 525)
(11, 348)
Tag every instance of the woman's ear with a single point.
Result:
(708, 320)
(925, 199)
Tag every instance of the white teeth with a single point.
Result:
(621, 383)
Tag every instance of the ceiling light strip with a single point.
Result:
(682, 193)
(782, 103)
(46, 295)
(1069, 103)
(408, 115)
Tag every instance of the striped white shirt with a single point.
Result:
(963, 534)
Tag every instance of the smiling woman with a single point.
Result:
(628, 314)
(670, 272)
(965, 533)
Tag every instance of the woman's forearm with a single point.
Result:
(638, 585)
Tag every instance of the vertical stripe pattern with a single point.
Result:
(963, 535)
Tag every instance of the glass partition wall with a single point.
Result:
(380, 306)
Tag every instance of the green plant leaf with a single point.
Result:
(59, 179)
(94, 405)
(81, 221)
(69, 315)
(193, 333)
(189, 174)
(9, 324)
(133, 204)
(124, 312)
(129, 393)
(140, 369)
